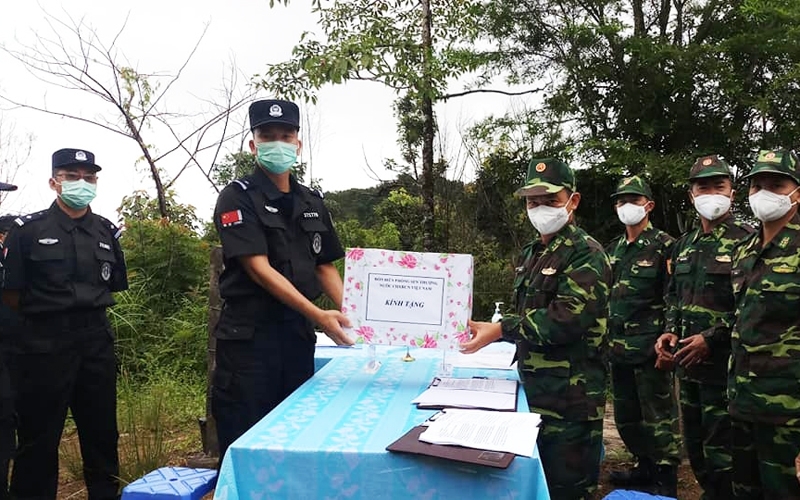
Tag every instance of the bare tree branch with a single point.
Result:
(490, 91)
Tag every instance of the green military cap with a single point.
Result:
(777, 161)
(547, 175)
(633, 185)
(709, 166)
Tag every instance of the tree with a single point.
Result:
(73, 57)
(14, 152)
(409, 46)
(645, 87)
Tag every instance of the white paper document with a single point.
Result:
(492, 394)
(502, 386)
(485, 430)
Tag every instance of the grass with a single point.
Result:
(157, 419)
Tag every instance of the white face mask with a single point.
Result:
(768, 206)
(712, 206)
(631, 214)
(549, 220)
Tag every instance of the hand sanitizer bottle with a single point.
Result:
(496, 317)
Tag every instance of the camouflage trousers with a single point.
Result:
(763, 461)
(707, 437)
(570, 453)
(645, 412)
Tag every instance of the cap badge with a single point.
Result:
(540, 167)
(80, 156)
(627, 181)
(275, 111)
(707, 162)
(769, 156)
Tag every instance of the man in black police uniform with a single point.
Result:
(8, 322)
(61, 266)
(279, 245)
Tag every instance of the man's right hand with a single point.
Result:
(665, 345)
(331, 322)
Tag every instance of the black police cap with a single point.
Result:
(6, 222)
(270, 111)
(4, 186)
(65, 158)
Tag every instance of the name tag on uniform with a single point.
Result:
(549, 271)
(48, 241)
(271, 209)
(723, 258)
(311, 215)
(104, 246)
(645, 263)
(784, 269)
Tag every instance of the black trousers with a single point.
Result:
(7, 424)
(252, 376)
(63, 368)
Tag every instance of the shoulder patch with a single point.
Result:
(24, 219)
(115, 231)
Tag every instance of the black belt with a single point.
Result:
(71, 319)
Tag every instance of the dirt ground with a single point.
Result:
(616, 458)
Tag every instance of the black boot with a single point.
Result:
(665, 479)
(641, 475)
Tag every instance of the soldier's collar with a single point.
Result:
(67, 222)
(786, 236)
(563, 234)
(718, 231)
(269, 188)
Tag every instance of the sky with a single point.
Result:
(349, 131)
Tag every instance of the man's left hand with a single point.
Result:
(695, 350)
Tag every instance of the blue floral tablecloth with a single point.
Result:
(328, 440)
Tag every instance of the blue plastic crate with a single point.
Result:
(633, 495)
(172, 483)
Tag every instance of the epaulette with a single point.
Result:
(317, 192)
(24, 219)
(242, 183)
(117, 232)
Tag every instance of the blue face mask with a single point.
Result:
(77, 194)
(276, 157)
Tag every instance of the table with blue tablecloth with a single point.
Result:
(328, 440)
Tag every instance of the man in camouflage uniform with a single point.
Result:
(699, 317)
(644, 407)
(559, 327)
(764, 383)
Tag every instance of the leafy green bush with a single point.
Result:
(161, 320)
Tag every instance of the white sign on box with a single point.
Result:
(408, 298)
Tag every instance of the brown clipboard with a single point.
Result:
(410, 443)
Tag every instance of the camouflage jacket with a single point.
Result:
(636, 302)
(560, 325)
(699, 297)
(764, 383)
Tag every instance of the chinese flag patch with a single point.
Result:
(232, 218)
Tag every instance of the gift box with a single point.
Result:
(408, 298)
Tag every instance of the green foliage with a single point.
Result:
(161, 320)
(140, 206)
(648, 86)
(233, 166)
(378, 41)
